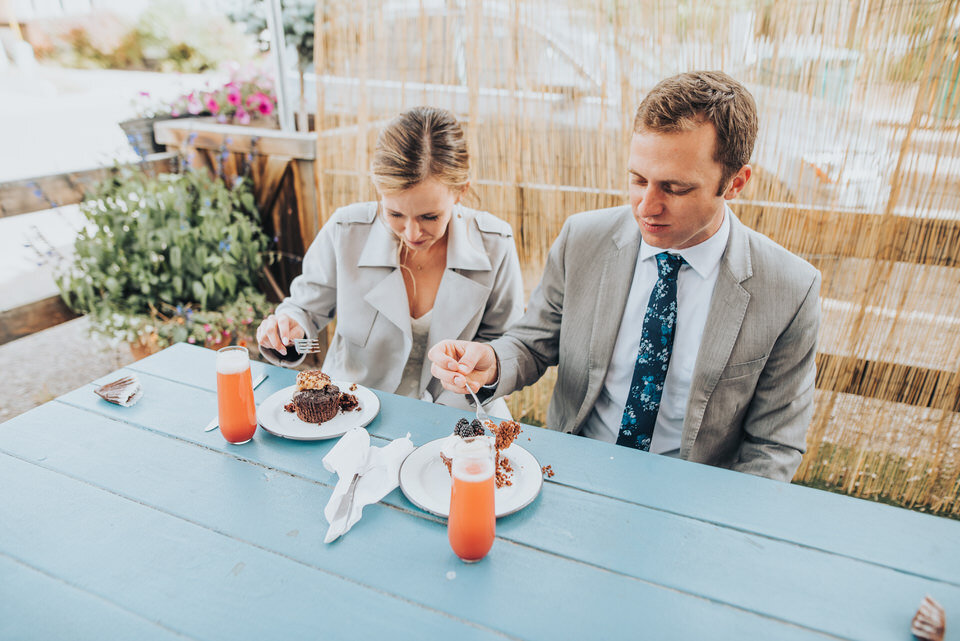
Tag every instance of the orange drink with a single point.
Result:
(237, 413)
(472, 523)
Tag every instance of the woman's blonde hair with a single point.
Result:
(421, 143)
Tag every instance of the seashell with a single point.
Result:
(124, 392)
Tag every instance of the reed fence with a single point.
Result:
(857, 170)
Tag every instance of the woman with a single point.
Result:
(405, 272)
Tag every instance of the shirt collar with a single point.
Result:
(703, 257)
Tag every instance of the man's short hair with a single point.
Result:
(688, 100)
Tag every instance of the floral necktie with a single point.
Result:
(653, 357)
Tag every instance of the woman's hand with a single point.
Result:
(457, 363)
(277, 331)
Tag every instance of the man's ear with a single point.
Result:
(738, 183)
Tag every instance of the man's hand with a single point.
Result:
(278, 331)
(457, 363)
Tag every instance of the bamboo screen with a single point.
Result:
(857, 169)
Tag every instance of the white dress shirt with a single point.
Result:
(695, 284)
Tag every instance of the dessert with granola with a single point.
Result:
(317, 399)
(503, 436)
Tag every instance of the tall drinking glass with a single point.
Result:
(472, 523)
(237, 412)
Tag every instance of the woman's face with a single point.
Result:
(419, 215)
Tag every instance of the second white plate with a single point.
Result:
(425, 481)
(274, 419)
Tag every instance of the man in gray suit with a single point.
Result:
(676, 329)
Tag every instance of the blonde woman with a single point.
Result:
(402, 273)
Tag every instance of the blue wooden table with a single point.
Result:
(134, 523)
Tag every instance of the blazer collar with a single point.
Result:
(628, 233)
(382, 247)
(737, 255)
(464, 244)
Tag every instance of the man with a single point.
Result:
(676, 329)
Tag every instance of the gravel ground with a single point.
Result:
(45, 365)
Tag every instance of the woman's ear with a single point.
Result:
(463, 191)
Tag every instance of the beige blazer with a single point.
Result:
(751, 399)
(351, 271)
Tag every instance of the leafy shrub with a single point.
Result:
(159, 249)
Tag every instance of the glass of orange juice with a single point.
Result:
(237, 412)
(472, 523)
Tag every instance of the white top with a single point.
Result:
(695, 284)
(410, 381)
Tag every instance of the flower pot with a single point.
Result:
(140, 135)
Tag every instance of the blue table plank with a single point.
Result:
(34, 605)
(187, 577)
(388, 550)
(859, 600)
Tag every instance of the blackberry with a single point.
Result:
(463, 429)
(477, 428)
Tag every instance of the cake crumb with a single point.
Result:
(289, 407)
(349, 403)
(353, 387)
(547, 470)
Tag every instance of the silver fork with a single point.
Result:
(307, 345)
(482, 415)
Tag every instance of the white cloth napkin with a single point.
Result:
(379, 469)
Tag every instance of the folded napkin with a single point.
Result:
(379, 469)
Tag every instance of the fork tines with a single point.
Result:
(306, 345)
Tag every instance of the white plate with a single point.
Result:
(273, 418)
(425, 481)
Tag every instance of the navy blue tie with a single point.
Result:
(653, 357)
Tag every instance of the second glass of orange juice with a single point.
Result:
(472, 524)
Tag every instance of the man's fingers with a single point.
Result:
(444, 354)
(463, 382)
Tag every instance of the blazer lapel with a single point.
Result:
(388, 295)
(724, 320)
(615, 279)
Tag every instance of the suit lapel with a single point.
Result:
(728, 306)
(612, 291)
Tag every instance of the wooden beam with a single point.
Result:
(849, 234)
(885, 381)
(33, 317)
(188, 132)
(46, 192)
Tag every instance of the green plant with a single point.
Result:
(162, 257)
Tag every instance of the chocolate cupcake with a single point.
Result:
(317, 405)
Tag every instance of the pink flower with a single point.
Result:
(194, 105)
(242, 117)
(191, 340)
(175, 113)
(233, 97)
(206, 327)
(212, 105)
(266, 105)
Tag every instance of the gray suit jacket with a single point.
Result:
(751, 399)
